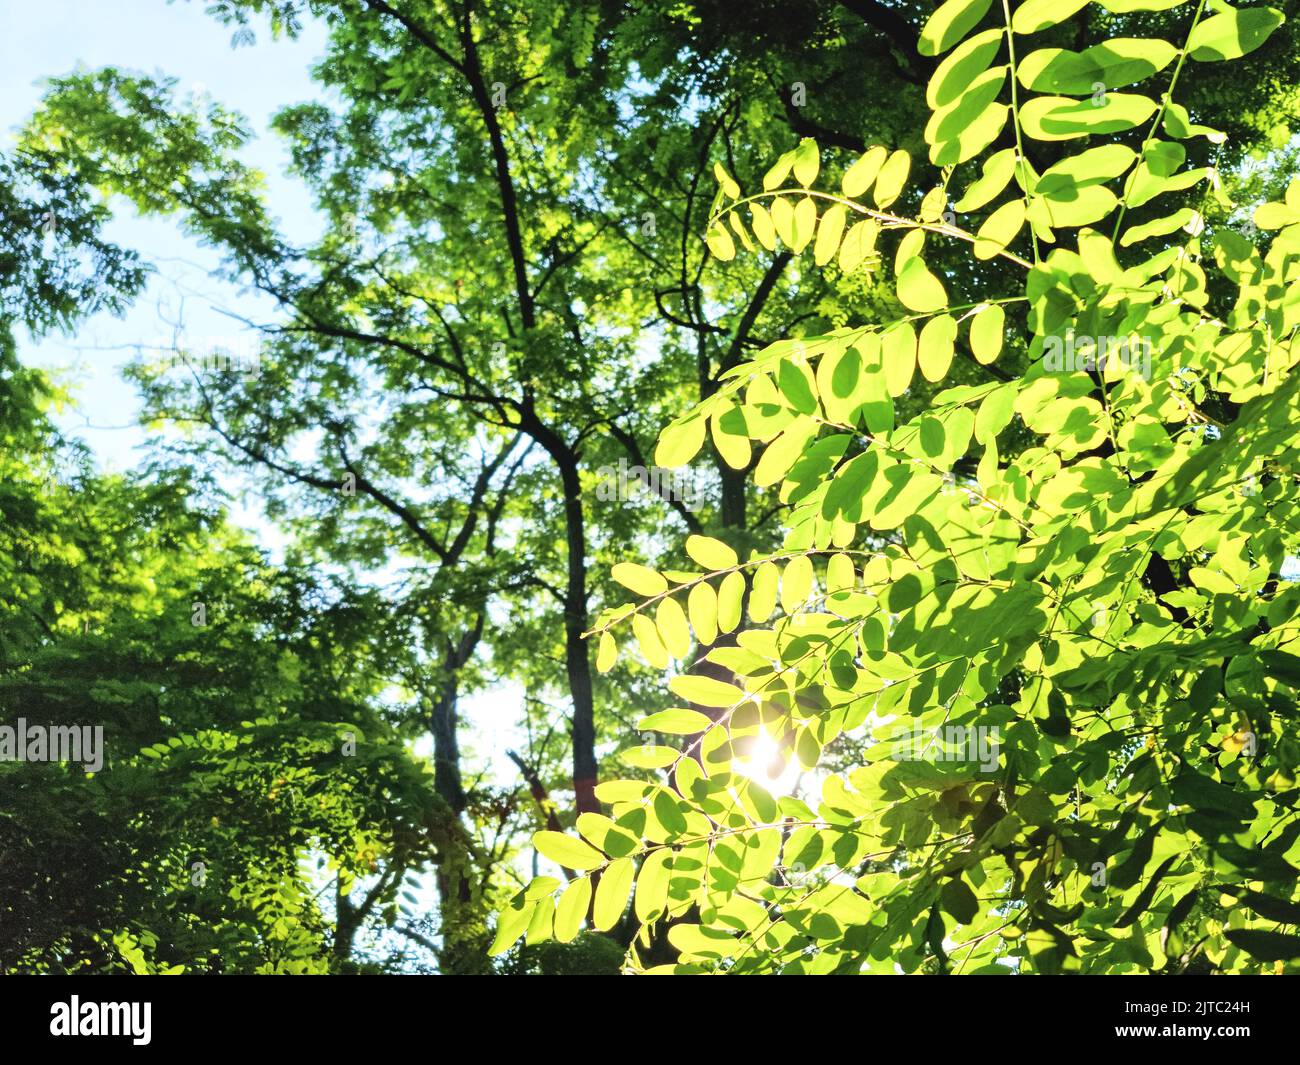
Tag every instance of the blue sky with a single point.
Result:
(54, 37)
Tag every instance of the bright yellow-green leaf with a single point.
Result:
(705, 691)
(1276, 215)
(783, 219)
(572, 908)
(678, 722)
(995, 412)
(950, 121)
(807, 161)
(804, 224)
(607, 654)
(511, 923)
(918, 289)
(973, 138)
(566, 850)
(968, 60)
(732, 446)
(726, 181)
(640, 579)
(796, 583)
(1111, 64)
(828, 234)
(762, 595)
(898, 352)
(710, 553)
(611, 894)
(761, 222)
(840, 574)
(673, 630)
(935, 347)
(987, 330)
(652, 885)
(782, 452)
(858, 177)
(1232, 34)
(731, 594)
(649, 642)
(997, 172)
(649, 756)
(949, 24)
(680, 442)
(720, 242)
(1000, 229)
(892, 178)
(1035, 15)
(773, 178)
(859, 244)
(1059, 118)
(1121, 7)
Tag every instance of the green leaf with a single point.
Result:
(566, 851)
(680, 442)
(1059, 118)
(611, 894)
(649, 756)
(571, 909)
(997, 171)
(970, 59)
(652, 885)
(720, 242)
(807, 162)
(987, 330)
(892, 178)
(607, 653)
(1111, 64)
(958, 899)
(829, 233)
(918, 289)
(898, 355)
(1232, 34)
(1000, 229)
(511, 923)
(680, 722)
(1265, 946)
(1284, 911)
(670, 619)
(949, 24)
(935, 347)
(1148, 893)
(859, 244)
(1035, 15)
(858, 177)
(705, 691)
(639, 579)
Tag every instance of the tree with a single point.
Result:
(235, 709)
(1063, 671)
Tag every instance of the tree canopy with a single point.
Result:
(955, 346)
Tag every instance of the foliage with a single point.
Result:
(1107, 605)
